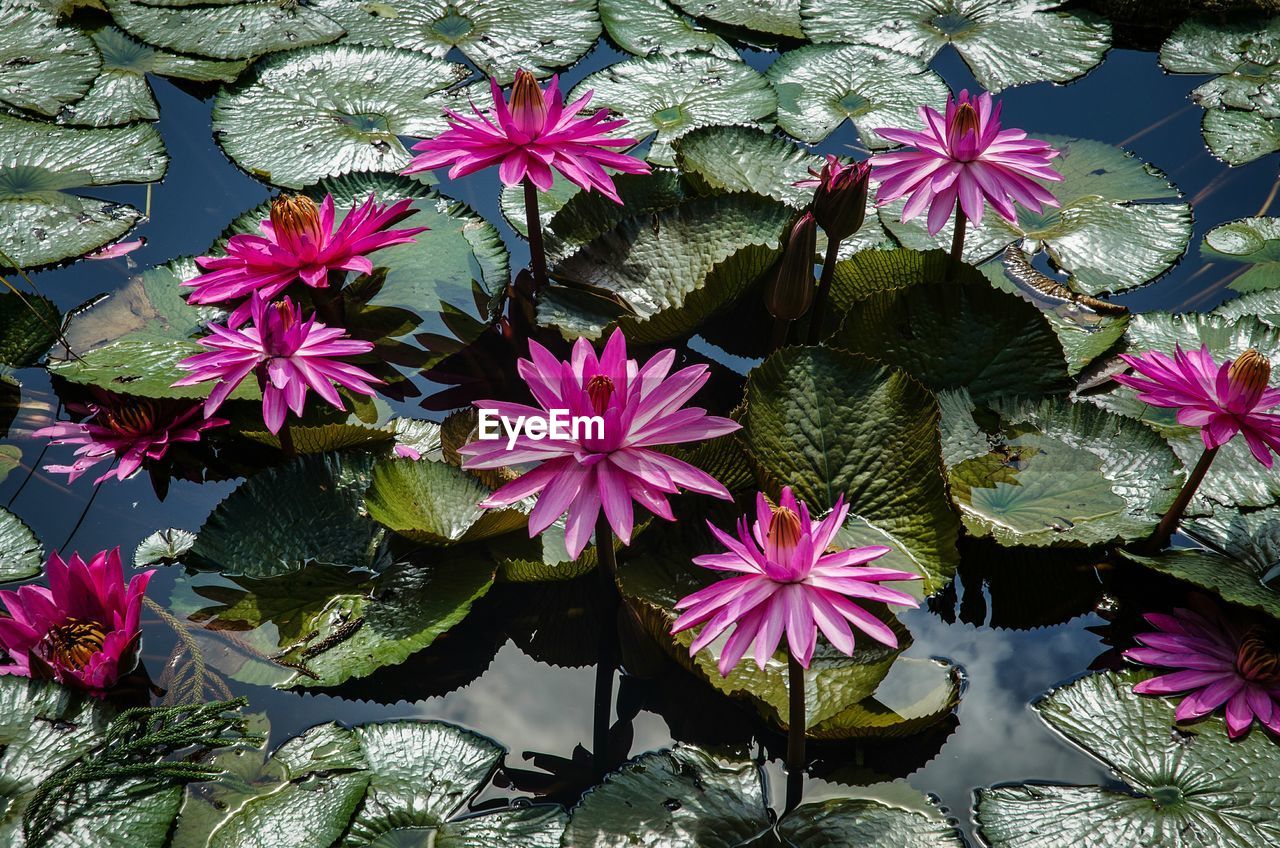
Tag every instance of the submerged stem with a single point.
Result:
(795, 733)
(330, 305)
(957, 244)
(781, 329)
(533, 223)
(824, 289)
(1164, 531)
(605, 666)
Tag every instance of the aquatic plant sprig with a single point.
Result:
(839, 207)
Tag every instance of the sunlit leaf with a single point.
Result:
(235, 30)
(43, 66)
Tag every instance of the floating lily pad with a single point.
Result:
(1185, 785)
(780, 17)
(163, 547)
(1262, 305)
(1251, 242)
(308, 114)
(1057, 472)
(584, 216)
(28, 325)
(827, 422)
(435, 503)
(1240, 137)
(821, 86)
(500, 38)
(652, 27)
(43, 66)
(549, 203)
(21, 554)
(1245, 54)
(1004, 42)
(39, 166)
(236, 30)
(1120, 224)
(671, 95)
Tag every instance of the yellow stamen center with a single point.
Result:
(296, 215)
(138, 417)
(600, 389)
(73, 643)
(1251, 372)
(966, 120)
(527, 104)
(783, 535)
(1257, 658)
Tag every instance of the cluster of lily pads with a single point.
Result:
(943, 400)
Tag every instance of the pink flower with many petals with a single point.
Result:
(964, 156)
(641, 409)
(82, 630)
(1220, 662)
(789, 582)
(299, 242)
(1222, 400)
(132, 429)
(529, 137)
(288, 354)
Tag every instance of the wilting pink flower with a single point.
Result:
(287, 353)
(113, 251)
(82, 630)
(528, 137)
(1221, 661)
(299, 242)
(640, 407)
(840, 201)
(132, 429)
(1222, 400)
(965, 155)
(789, 582)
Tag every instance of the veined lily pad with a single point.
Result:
(1004, 42)
(1120, 223)
(584, 216)
(1251, 242)
(1056, 472)
(28, 326)
(235, 30)
(1239, 137)
(549, 203)
(41, 220)
(1245, 54)
(683, 796)
(43, 66)
(308, 114)
(163, 547)
(1186, 786)
(500, 38)
(671, 95)
(651, 27)
(780, 17)
(435, 503)
(821, 86)
(1263, 305)
(21, 554)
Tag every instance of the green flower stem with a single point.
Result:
(1164, 532)
(286, 441)
(816, 315)
(957, 244)
(533, 223)
(795, 733)
(607, 661)
(330, 304)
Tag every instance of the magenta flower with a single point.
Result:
(132, 429)
(528, 137)
(288, 354)
(299, 242)
(82, 630)
(964, 157)
(789, 582)
(1219, 661)
(1222, 400)
(840, 200)
(609, 467)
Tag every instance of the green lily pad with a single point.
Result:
(549, 203)
(821, 86)
(1004, 42)
(1263, 305)
(435, 503)
(1251, 242)
(1120, 224)
(670, 95)
(1238, 137)
(1244, 53)
(652, 27)
(500, 38)
(1184, 786)
(962, 333)
(28, 325)
(1088, 337)
(584, 216)
(780, 17)
(236, 30)
(308, 114)
(1056, 472)
(39, 166)
(21, 554)
(684, 796)
(827, 422)
(163, 547)
(544, 557)
(43, 66)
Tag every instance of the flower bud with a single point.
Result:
(790, 292)
(1250, 374)
(295, 218)
(840, 201)
(528, 106)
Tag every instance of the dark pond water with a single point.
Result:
(994, 624)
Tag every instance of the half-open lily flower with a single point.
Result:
(789, 582)
(287, 353)
(299, 242)
(82, 630)
(840, 199)
(530, 136)
(1219, 661)
(1222, 400)
(966, 156)
(132, 429)
(611, 466)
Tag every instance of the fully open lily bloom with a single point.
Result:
(1222, 400)
(1219, 661)
(530, 136)
(966, 156)
(131, 429)
(288, 355)
(82, 630)
(610, 467)
(299, 242)
(789, 582)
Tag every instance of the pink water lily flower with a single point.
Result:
(966, 156)
(131, 429)
(530, 136)
(287, 353)
(114, 251)
(1220, 662)
(1222, 400)
(299, 242)
(789, 582)
(82, 631)
(609, 468)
